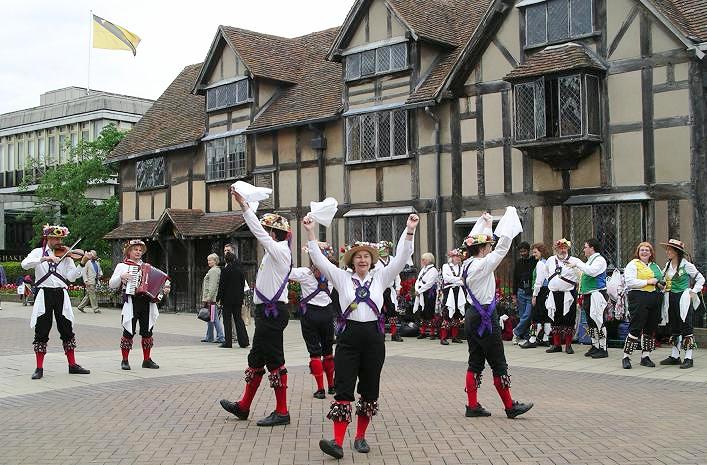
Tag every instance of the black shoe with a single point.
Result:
(396, 338)
(274, 419)
(477, 411)
(553, 349)
(687, 363)
(81, 310)
(320, 394)
(38, 373)
(601, 353)
(96, 311)
(626, 363)
(592, 350)
(543, 343)
(78, 370)
(149, 364)
(456, 340)
(671, 361)
(332, 391)
(235, 409)
(444, 342)
(569, 350)
(361, 445)
(527, 345)
(518, 408)
(206, 340)
(434, 337)
(331, 448)
(647, 362)
(422, 336)
(124, 365)
(225, 346)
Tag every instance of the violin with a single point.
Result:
(75, 254)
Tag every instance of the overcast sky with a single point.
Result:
(45, 43)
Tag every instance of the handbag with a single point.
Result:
(204, 314)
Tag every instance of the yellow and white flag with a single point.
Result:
(113, 37)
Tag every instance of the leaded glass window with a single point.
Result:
(226, 158)
(227, 95)
(557, 20)
(380, 60)
(150, 173)
(375, 136)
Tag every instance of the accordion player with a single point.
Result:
(146, 280)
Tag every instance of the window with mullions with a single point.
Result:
(557, 20)
(376, 228)
(380, 60)
(227, 95)
(618, 227)
(149, 173)
(226, 158)
(376, 136)
(557, 106)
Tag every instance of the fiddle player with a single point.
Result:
(136, 308)
(53, 272)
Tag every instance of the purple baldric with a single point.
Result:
(322, 286)
(363, 294)
(271, 304)
(484, 313)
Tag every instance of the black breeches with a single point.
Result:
(488, 347)
(430, 299)
(141, 314)
(318, 330)
(388, 307)
(560, 319)
(587, 306)
(677, 326)
(539, 312)
(267, 347)
(53, 305)
(360, 353)
(644, 309)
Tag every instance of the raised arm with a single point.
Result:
(337, 276)
(251, 219)
(402, 253)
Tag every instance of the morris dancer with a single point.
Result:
(561, 304)
(136, 308)
(454, 298)
(360, 351)
(271, 316)
(317, 321)
(539, 317)
(390, 296)
(483, 332)
(426, 295)
(52, 274)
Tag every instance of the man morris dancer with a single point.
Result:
(271, 316)
(454, 299)
(390, 296)
(483, 332)
(592, 287)
(317, 321)
(136, 308)
(52, 274)
(561, 303)
(426, 295)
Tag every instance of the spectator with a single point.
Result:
(208, 299)
(92, 272)
(522, 278)
(230, 295)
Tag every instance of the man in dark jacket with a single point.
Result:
(522, 278)
(230, 295)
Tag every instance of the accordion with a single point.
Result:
(145, 280)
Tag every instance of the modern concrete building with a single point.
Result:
(41, 134)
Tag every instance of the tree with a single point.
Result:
(61, 192)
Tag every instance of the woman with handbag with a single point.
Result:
(208, 300)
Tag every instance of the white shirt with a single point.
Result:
(67, 268)
(557, 284)
(308, 284)
(540, 276)
(691, 270)
(479, 272)
(380, 279)
(276, 263)
(595, 265)
(452, 275)
(395, 284)
(115, 282)
(631, 276)
(426, 278)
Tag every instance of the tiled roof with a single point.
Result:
(689, 16)
(133, 230)
(196, 223)
(176, 118)
(435, 21)
(554, 59)
(463, 17)
(266, 55)
(317, 94)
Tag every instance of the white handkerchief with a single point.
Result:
(252, 194)
(480, 227)
(509, 225)
(323, 212)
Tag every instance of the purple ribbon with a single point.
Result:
(363, 294)
(271, 310)
(485, 314)
(322, 286)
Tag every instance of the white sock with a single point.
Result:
(595, 342)
(645, 354)
(533, 339)
(688, 353)
(676, 351)
(626, 355)
(547, 327)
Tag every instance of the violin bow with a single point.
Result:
(71, 249)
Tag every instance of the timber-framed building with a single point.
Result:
(588, 115)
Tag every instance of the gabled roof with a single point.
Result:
(196, 223)
(688, 16)
(177, 119)
(555, 59)
(133, 230)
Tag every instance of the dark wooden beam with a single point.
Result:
(504, 51)
(697, 73)
(456, 163)
(490, 87)
(647, 102)
(671, 86)
(379, 184)
(674, 218)
(622, 29)
(480, 165)
(507, 140)
(276, 173)
(656, 60)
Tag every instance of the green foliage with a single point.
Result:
(14, 270)
(61, 191)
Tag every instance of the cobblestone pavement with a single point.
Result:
(172, 416)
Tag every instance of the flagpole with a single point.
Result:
(90, 38)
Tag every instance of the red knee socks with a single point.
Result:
(328, 364)
(503, 391)
(568, 339)
(40, 359)
(361, 425)
(249, 392)
(340, 427)
(70, 357)
(317, 370)
(281, 391)
(443, 333)
(455, 332)
(125, 353)
(556, 340)
(423, 329)
(471, 389)
(393, 329)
